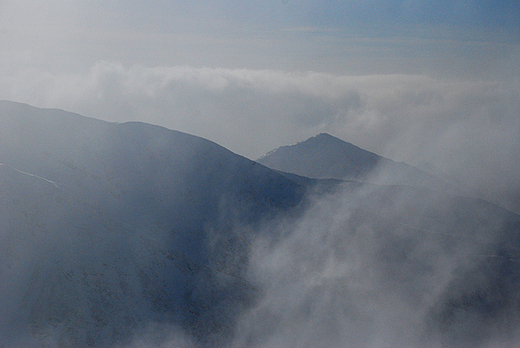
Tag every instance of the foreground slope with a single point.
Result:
(108, 226)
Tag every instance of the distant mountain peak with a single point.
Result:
(327, 136)
(324, 135)
(324, 156)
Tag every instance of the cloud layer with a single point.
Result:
(467, 129)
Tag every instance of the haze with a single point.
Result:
(431, 83)
(435, 84)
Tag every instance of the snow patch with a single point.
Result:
(32, 175)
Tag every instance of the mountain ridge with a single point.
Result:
(109, 229)
(148, 215)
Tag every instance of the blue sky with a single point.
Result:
(464, 38)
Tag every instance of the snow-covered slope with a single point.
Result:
(132, 235)
(109, 226)
(327, 157)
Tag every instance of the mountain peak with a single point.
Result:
(322, 157)
(324, 135)
(327, 157)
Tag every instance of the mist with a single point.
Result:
(336, 277)
(127, 230)
(372, 267)
(353, 265)
(375, 266)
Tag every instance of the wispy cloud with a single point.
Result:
(363, 268)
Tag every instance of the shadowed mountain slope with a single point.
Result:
(108, 226)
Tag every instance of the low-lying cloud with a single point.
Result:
(371, 267)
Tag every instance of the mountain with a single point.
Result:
(106, 227)
(416, 226)
(131, 235)
(327, 157)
